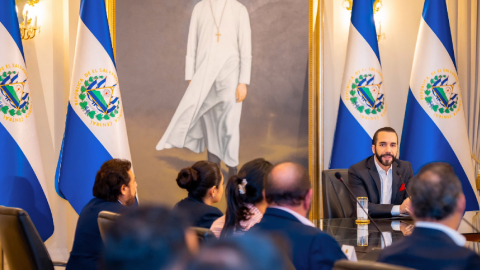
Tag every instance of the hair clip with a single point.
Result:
(241, 187)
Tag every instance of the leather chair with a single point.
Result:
(203, 234)
(23, 247)
(337, 201)
(105, 220)
(366, 265)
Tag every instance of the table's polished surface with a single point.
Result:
(347, 232)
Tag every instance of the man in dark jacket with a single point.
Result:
(437, 206)
(382, 177)
(289, 195)
(115, 188)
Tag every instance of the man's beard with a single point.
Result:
(131, 200)
(386, 163)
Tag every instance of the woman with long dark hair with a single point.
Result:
(245, 201)
(204, 183)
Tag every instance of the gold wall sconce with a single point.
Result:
(29, 27)
(377, 14)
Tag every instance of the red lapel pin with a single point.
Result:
(402, 188)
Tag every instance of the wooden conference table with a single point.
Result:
(347, 232)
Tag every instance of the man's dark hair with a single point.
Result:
(249, 252)
(384, 129)
(434, 191)
(291, 194)
(110, 178)
(150, 237)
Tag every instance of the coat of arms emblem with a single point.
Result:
(366, 94)
(98, 98)
(442, 94)
(14, 96)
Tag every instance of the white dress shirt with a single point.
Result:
(386, 182)
(300, 218)
(454, 235)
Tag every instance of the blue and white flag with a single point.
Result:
(95, 128)
(362, 109)
(22, 179)
(434, 128)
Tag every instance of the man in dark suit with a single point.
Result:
(114, 189)
(289, 194)
(382, 177)
(437, 206)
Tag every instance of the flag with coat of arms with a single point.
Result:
(362, 109)
(95, 128)
(434, 128)
(22, 178)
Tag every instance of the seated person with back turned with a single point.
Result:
(115, 188)
(204, 183)
(382, 177)
(248, 252)
(437, 206)
(289, 194)
(149, 237)
(245, 201)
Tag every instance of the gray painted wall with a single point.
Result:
(151, 48)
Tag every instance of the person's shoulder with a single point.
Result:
(397, 247)
(362, 165)
(192, 205)
(397, 250)
(186, 203)
(199, 5)
(93, 201)
(199, 205)
(239, 6)
(109, 206)
(96, 205)
(214, 210)
(306, 230)
(206, 216)
(180, 203)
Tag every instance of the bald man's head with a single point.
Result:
(287, 184)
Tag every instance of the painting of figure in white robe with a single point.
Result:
(164, 44)
(218, 67)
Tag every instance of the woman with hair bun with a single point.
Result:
(204, 183)
(245, 201)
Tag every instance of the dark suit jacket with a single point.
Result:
(88, 244)
(429, 249)
(310, 248)
(200, 214)
(364, 181)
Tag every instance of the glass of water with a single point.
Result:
(361, 215)
(362, 235)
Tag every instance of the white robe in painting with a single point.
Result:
(208, 114)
